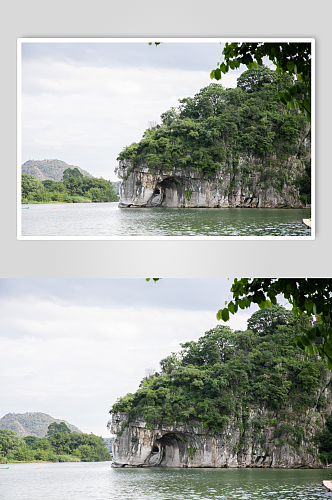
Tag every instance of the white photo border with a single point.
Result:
(21, 41)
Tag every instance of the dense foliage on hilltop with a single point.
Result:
(61, 445)
(217, 126)
(225, 372)
(74, 189)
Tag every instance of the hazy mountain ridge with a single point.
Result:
(31, 423)
(53, 170)
(49, 169)
(116, 186)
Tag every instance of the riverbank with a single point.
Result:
(60, 458)
(76, 200)
(108, 220)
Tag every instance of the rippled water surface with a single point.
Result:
(98, 481)
(106, 219)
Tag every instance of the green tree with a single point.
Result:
(213, 129)
(29, 187)
(48, 183)
(224, 372)
(23, 454)
(71, 172)
(291, 58)
(60, 442)
(55, 428)
(254, 79)
(265, 321)
(60, 445)
(9, 442)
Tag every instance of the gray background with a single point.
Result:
(161, 18)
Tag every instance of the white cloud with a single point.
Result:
(85, 115)
(70, 348)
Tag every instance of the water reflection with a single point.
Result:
(106, 219)
(98, 481)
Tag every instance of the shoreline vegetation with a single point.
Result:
(73, 188)
(59, 445)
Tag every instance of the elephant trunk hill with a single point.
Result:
(222, 148)
(231, 399)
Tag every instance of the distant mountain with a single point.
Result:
(49, 169)
(116, 186)
(109, 443)
(31, 423)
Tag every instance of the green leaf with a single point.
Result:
(290, 66)
(217, 74)
(306, 104)
(247, 301)
(328, 350)
(212, 74)
(241, 303)
(225, 314)
(308, 304)
(259, 297)
(219, 314)
(292, 91)
(231, 307)
(246, 59)
(224, 68)
(300, 345)
(311, 334)
(308, 350)
(304, 340)
(282, 99)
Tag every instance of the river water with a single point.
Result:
(107, 220)
(98, 481)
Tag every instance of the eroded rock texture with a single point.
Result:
(182, 445)
(187, 188)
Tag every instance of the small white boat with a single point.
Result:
(307, 222)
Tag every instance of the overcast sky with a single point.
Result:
(84, 102)
(71, 347)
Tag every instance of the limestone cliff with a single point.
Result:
(188, 188)
(138, 444)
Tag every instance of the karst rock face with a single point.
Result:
(188, 188)
(138, 444)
